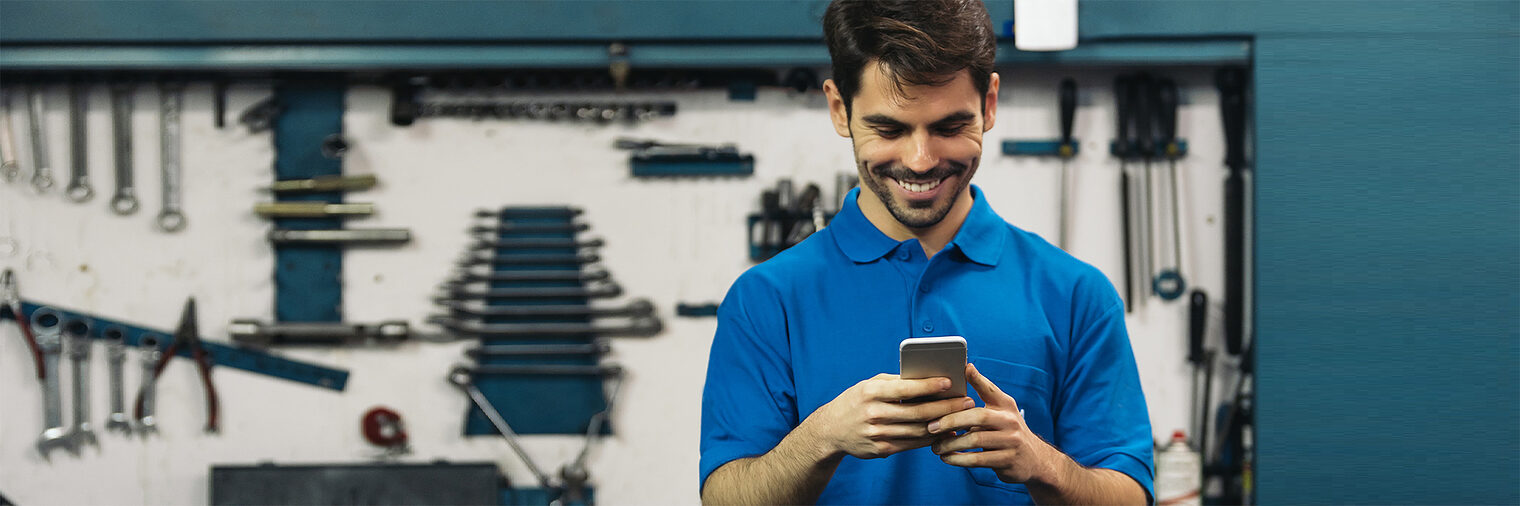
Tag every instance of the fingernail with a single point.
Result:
(970, 403)
(933, 427)
(944, 383)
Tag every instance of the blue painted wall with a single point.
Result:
(1387, 253)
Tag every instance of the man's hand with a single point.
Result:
(869, 420)
(1017, 454)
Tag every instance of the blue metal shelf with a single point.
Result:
(354, 57)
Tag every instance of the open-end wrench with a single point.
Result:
(78, 334)
(171, 102)
(636, 327)
(116, 357)
(10, 171)
(635, 308)
(79, 185)
(460, 377)
(486, 257)
(42, 171)
(125, 200)
(534, 243)
(596, 289)
(48, 327)
(143, 410)
(466, 276)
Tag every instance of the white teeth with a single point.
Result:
(919, 187)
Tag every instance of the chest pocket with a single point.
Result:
(1030, 387)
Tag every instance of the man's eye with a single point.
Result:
(889, 133)
(948, 131)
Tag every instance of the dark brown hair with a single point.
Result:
(917, 42)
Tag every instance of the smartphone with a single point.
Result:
(931, 357)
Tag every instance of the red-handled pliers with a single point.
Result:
(13, 305)
(188, 335)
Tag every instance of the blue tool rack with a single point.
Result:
(544, 404)
(308, 280)
(222, 355)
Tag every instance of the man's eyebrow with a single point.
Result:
(958, 117)
(882, 119)
(955, 117)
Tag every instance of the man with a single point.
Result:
(798, 406)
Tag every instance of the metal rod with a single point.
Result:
(374, 236)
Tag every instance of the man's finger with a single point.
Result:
(970, 459)
(961, 420)
(986, 440)
(901, 389)
(923, 412)
(896, 431)
(991, 394)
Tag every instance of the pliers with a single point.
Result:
(12, 300)
(188, 336)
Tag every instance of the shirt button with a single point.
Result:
(923, 288)
(903, 255)
(928, 326)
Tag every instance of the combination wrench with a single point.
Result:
(171, 102)
(459, 376)
(116, 357)
(78, 334)
(47, 325)
(144, 409)
(125, 200)
(42, 172)
(9, 169)
(79, 185)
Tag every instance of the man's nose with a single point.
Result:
(920, 156)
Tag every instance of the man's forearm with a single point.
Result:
(1073, 484)
(794, 472)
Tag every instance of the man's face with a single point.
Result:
(916, 150)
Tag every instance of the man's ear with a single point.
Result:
(990, 111)
(837, 112)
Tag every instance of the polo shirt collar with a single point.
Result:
(978, 239)
(856, 236)
(982, 234)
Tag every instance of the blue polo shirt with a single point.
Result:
(796, 331)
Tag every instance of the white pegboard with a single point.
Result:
(671, 240)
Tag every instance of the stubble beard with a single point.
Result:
(919, 214)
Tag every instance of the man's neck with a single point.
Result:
(932, 238)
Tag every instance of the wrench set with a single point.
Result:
(124, 199)
(525, 289)
(56, 338)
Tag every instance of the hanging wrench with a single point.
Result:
(42, 172)
(116, 356)
(171, 101)
(460, 377)
(79, 186)
(125, 200)
(144, 406)
(50, 340)
(9, 169)
(78, 334)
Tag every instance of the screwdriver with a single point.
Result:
(1169, 283)
(1067, 151)
(1123, 147)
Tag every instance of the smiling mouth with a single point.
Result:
(920, 187)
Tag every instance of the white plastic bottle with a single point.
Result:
(1179, 474)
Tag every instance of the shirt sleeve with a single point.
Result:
(1102, 419)
(749, 402)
